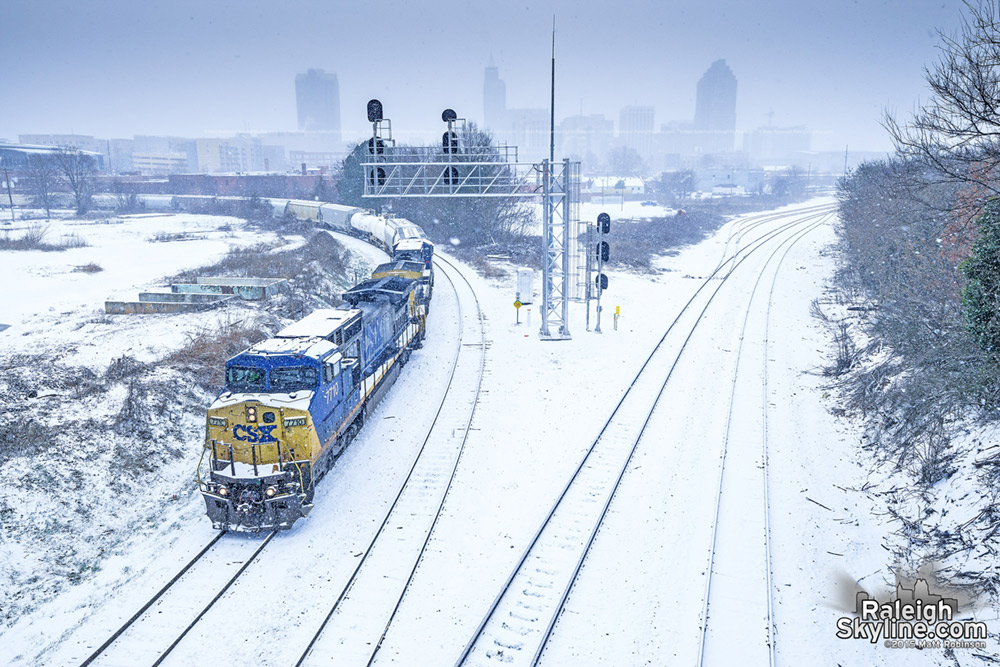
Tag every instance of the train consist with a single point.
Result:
(402, 239)
(293, 402)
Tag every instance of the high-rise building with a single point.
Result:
(635, 129)
(585, 138)
(494, 97)
(715, 108)
(317, 96)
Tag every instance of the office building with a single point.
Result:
(317, 98)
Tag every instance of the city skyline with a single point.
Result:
(114, 69)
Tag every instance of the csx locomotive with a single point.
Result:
(293, 402)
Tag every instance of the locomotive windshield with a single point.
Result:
(242, 378)
(293, 378)
(408, 255)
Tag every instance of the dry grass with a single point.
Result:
(205, 353)
(88, 268)
(34, 237)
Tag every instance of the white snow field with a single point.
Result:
(735, 536)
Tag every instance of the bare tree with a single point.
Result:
(957, 132)
(677, 184)
(43, 179)
(127, 200)
(625, 161)
(78, 169)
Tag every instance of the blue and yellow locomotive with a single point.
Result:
(293, 402)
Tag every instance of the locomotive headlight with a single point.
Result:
(270, 491)
(223, 491)
(294, 421)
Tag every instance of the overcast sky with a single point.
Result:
(114, 68)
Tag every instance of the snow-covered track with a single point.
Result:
(749, 223)
(517, 626)
(359, 619)
(741, 515)
(153, 632)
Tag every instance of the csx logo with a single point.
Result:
(254, 433)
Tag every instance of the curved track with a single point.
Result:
(741, 517)
(358, 620)
(517, 625)
(162, 623)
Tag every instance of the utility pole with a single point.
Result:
(552, 102)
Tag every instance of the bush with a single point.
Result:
(88, 268)
(73, 241)
(635, 244)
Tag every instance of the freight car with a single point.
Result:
(293, 402)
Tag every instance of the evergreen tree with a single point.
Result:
(351, 184)
(981, 294)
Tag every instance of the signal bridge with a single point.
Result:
(485, 171)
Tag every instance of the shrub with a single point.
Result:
(88, 268)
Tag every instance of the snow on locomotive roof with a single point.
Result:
(320, 323)
(415, 243)
(313, 347)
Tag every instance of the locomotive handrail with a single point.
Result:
(197, 472)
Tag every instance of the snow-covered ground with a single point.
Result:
(639, 598)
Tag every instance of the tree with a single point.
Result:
(625, 161)
(957, 132)
(320, 191)
(677, 184)
(981, 294)
(791, 184)
(254, 209)
(43, 178)
(77, 169)
(127, 199)
(351, 184)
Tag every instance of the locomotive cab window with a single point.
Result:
(330, 371)
(294, 378)
(242, 378)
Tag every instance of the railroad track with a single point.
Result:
(751, 222)
(162, 623)
(358, 620)
(741, 512)
(149, 636)
(517, 626)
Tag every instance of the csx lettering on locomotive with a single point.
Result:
(254, 433)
